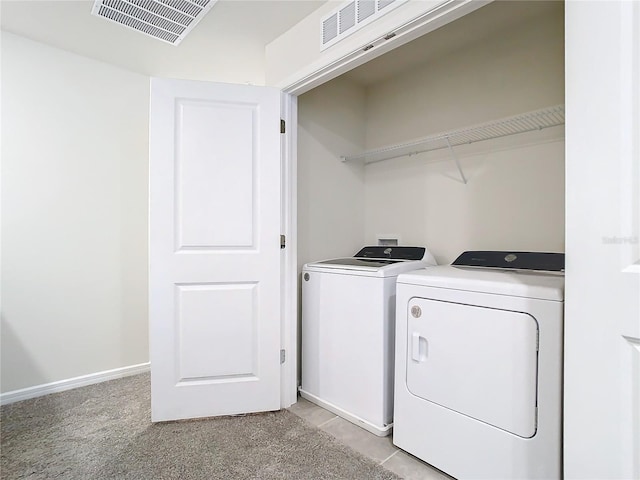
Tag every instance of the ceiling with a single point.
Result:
(492, 19)
(232, 30)
(228, 44)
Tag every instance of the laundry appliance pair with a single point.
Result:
(477, 355)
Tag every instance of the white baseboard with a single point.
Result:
(62, 385)
(379, 430)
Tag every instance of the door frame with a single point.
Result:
(289, 260)
(295, 86)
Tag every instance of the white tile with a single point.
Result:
(311, 412)
(370, 445)
(410, 468)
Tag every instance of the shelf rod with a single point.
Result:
(455, 160)
(526, 122)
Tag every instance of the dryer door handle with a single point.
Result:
(419, 347)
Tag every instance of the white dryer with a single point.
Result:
(478, 382)
(348, 311)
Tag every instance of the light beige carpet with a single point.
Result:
(104, 432)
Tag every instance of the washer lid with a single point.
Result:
(359, 262)
(380, 261)
(515, 283)
(368, 267)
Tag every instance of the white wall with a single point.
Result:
(330, 192)
(74, 215)
(514, 199)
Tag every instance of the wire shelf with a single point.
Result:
(525, 122)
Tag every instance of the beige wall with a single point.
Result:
(74, 215)
(512, 69)
(330, 192)
(514, 199)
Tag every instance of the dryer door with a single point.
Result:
(477, 361)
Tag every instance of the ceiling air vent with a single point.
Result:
(330, 28)
(384, 3)
(166, 20)
(347, 17)
(350, 17)
(366, 9)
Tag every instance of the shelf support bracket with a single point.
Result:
(455, 160)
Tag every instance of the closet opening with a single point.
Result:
(503, 60)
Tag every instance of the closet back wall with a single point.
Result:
(514, 198)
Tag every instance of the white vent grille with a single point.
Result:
(350, 17)
(367, 8)
(384, 3)
(166, 20)
(347, 17)
(330, 28)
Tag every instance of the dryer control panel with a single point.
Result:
(544, 261)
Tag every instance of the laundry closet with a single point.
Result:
(502, 60)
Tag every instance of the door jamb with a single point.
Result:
(289, 258)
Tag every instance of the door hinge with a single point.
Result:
(283, 356)
(283, 126)
(283, 241)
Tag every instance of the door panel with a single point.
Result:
(215, 197)
(214, 249)
(219, 347)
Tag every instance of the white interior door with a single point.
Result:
(602, 302)
(214, 279)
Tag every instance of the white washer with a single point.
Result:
(348, 311)
(478, 391)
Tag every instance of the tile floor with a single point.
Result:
(380, 449)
